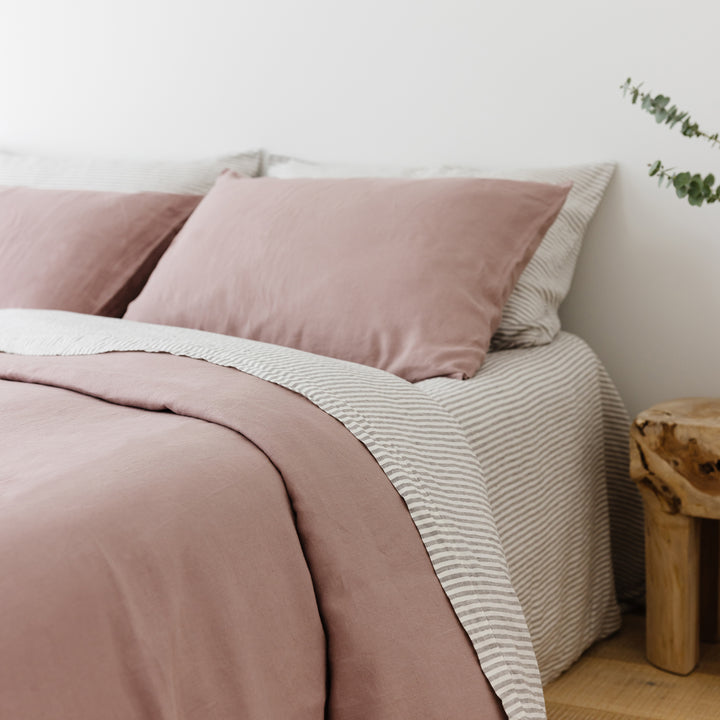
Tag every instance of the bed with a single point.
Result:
(212, 515)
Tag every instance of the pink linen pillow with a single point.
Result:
(84, 251)
(406, 275)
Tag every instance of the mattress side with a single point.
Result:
(551, 433)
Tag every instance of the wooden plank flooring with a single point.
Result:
(613, 681)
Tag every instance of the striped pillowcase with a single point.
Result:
(530, 316)
(193, 177)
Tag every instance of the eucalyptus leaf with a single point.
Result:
(688, 185)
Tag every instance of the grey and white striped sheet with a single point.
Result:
(191, 177)
(530, 316)
(552, 436)
(420, 446)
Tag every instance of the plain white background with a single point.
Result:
(416, 81)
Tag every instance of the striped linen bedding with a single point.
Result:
(551, 432)
(417, 443)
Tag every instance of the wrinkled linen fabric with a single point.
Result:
(418, 445)
(81, 250)
(409, 276)
(241, 555)
(530, 315)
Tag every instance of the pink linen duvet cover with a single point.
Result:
(183, 540)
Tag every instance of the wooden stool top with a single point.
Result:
(675, 453)
(694, 411)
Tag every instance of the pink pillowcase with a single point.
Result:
(84, 251)
(406, 275)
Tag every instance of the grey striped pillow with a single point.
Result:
(530, 316)
(191, 177)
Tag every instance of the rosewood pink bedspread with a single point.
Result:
(183, 540)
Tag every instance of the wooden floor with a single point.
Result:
(613, 681)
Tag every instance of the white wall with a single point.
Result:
(415, 81)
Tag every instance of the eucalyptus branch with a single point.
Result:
(657, 106)
(687, 185)
(694, 187)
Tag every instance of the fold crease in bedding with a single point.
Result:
(417, 443)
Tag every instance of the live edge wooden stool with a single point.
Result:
(675, 460)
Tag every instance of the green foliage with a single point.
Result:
(696, 188)
(693, 186)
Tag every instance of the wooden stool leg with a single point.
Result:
(672, 555)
